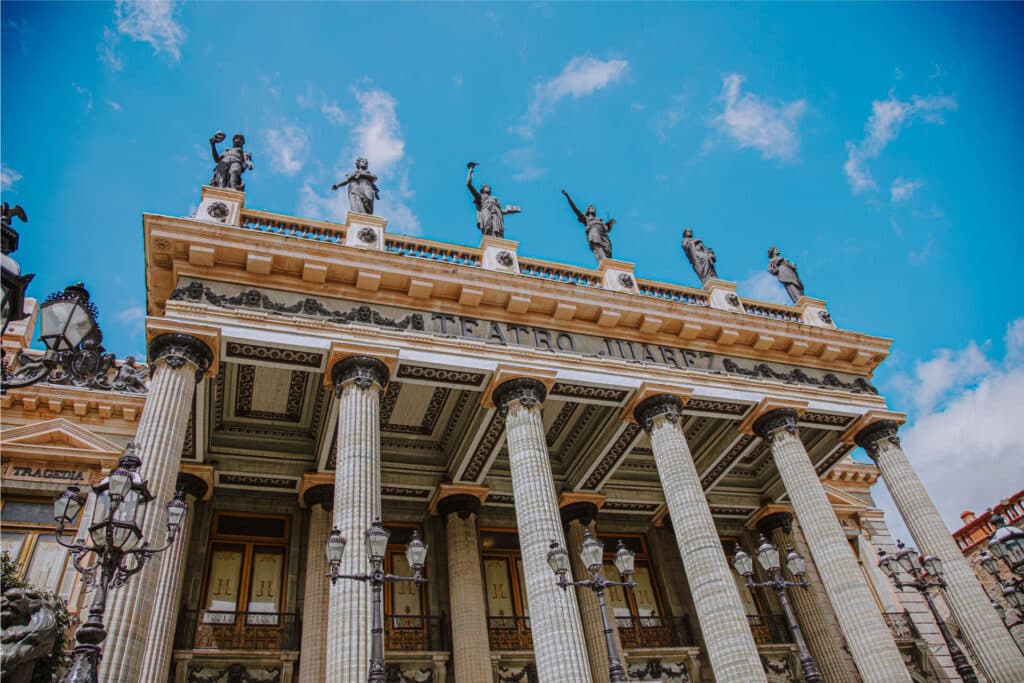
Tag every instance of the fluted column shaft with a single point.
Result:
(817, 622)
(867, 635)
(359, 381)
(313, 656)
(156, 660)
(559, 648)
(471, 659)
(991, 643)
(178, 361)
(723, 621)
(590, 608)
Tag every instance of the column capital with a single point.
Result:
(381, 360)
(862, 424)
(528, 391)
(883, 430)
(661, 405)
(499, 390)
(766, 406)
(320, 494)
(775, 513)
(363, 371)
(579, 505)
(177, 343)
(438, 503)
(650, 390)
(771, 422)
(777, 520)
(312, 480)
(195, 481)
(461, 504)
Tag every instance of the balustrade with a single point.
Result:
(510, 633)
(404, 633)
(213, 630)
(902, 626)
(319, 231)
(651, 632)
(769, 629)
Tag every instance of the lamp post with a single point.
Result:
(908, 560)
(1013, 596)
(592, 554)
(376, 546)
(768, 558)
(1007, 544)
(122, 499)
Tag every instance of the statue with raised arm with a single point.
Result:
(597, 229)
(490, 214)
(231, 164)
(700, 257)
(362, 187)
(785, 270)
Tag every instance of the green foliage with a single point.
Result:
(47, 668)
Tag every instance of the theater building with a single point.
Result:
(306, 375)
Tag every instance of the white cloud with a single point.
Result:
(948, 370)
(87, 94)
(669, 118)
(107, 49)
(922, 254)
(334, 114)
(755, 122)
(132, 318)
(763, 286)
(153, 22)
(903, 189)
(582, 76)
(288, 147)
(883, 126)
(524, 165)
(378, 136)
(966, 449)
(8, 177)
(114, 106)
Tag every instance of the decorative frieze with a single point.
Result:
(307, 359)
(617, 451)
(581, 391)
(483, 449)
(427, 373)
(257, 481)
(561, 420)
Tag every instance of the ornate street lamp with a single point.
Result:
(1007, 544)
(122, 499)
(1013, 593)
(908, 560)
(592, 554)
(67, 324)
(768, 558)
(12, 306)
(376, 546)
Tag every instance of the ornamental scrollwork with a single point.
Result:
(858, 385)
(663, 405)
(253, 298)
(528, 392)
(88, 366)
(769, 424)
(177, 349)
(656, 670)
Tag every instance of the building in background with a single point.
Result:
(305, 375)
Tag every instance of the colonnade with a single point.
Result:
(567, 647)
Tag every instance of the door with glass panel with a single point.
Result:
(638, 612)
(508, 612)
(28, 537)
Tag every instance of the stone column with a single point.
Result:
(558, 645)
(817, 621)
(991, 643)
(723, 621)
(579, 517)
(177, 361)
(313, 654)
(156, 660)
(867, 635)
(471, 658)
(358, 381)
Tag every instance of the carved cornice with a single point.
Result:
(364, 371)
(462, 504)
(663, 405)
(529, 392)
(194, 486)
(773, 421)
(176, 349)
(869, 437)
(321, 494)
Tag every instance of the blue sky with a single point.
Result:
(877, 145)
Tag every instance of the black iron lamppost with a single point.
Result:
(1007, 544)
(122, 499)
(67, 321)
(907, 560)
(592, 554)
(376, 546)
(768, 558)
(1013, 595)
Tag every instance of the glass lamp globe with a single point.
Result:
(768, 555)
(907, 557)
(591, 552)
(335, 546)
(625, 561)
(795, 563)
(558, 559)
(177, 511)
(743, 563)
(989, 563)
(66, 318)
(67, 506)
(932, 565)
(1014, 598)
(888, 564)
(416, 553)
(376, 541)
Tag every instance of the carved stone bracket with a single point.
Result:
(584, 511)
(462, 504)
(529, 392)
(319, 495)
(771, 422)
(869, 437)
(363, 371)
(662, 405)
(176, 349)
(192, 485)
(766, 525)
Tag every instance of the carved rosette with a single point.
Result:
(771, 422)
(319, 495)
(176, 349)
(461, 504)
(191, 484)
(869, 437)
(584, 511)
(363, 371)
(766, 525)
(662, 405)
(529, 392)
(504, 258)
